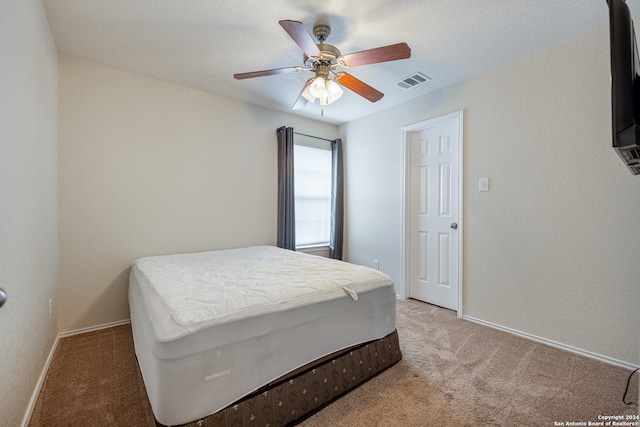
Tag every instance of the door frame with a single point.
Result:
(457, 116)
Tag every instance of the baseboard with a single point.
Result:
(94, 328)
(45, 369)
(551, 343)
(36, 391)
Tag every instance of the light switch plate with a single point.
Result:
(483, 184)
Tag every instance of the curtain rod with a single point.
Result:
(311, 136)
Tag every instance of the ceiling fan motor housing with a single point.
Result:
(328, 56)
(321, 31)
(322, 71)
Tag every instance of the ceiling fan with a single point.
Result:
(326, 60)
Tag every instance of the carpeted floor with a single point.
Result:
(453, 373)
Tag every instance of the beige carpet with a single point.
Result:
(453, 373)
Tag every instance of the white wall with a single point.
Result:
(552, 249)
(148, 167)
(28, 201)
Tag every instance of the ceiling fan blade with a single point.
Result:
(252, 74)
(301, 102)
(380, 54)
(301, 36)
(358, 86)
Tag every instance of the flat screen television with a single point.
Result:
(625, 85)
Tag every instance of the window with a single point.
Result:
(312, 180)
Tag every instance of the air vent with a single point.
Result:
(413, 80)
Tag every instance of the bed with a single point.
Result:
(257, 335)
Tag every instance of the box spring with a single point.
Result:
(298, 395)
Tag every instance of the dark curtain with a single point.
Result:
(286, 197)
(337, 200)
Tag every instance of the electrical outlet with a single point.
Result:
(376, 264)
(50, 307)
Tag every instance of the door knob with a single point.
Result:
(454, 225)
(3, 297)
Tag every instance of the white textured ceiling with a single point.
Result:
(203, 43)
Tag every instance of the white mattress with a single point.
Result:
(211, 327)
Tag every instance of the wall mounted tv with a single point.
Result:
(625, 85)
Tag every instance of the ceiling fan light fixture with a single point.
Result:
(318, 87)
(324, 89)
(306, 94)
(324, 99)
(334, 90)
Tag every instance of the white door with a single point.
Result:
(434, 212)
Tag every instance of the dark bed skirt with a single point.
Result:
(298, 395)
